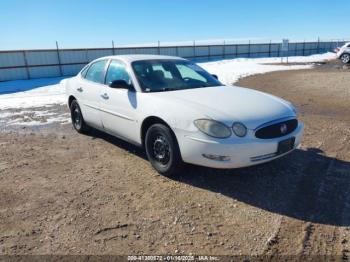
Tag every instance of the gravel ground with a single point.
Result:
(65, 193)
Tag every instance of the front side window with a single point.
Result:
(170, 75)
(96, 72)
(117, 71)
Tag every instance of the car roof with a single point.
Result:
(132, 58)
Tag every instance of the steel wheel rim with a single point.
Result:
(161, 149)
(346, 58)
(77, 118)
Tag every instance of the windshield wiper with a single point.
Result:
(165, 89)
(202, 86)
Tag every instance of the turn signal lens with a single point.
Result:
(239, 129)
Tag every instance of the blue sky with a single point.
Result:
(88, 23)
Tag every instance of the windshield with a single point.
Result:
(171, 75)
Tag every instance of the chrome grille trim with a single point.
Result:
(275, 122)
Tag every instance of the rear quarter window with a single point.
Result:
(84, 70)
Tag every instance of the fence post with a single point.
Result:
(224, 49)
(158, 47)
(304, 48)
(86, 56)
(270, 49)
(249, 49)
(236, 50)
(209, 54)
(177, 50)
(194, 49)
(59, 59)
(318, 45)
(113, 48)
(26, 64)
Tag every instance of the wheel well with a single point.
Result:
(149, 121)
(70, 100)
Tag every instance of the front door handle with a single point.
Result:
(105, 96)
(80, 89)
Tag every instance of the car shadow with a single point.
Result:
(306, 184)
(136, 150)
(15, 86)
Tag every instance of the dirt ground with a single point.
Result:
(65, 193)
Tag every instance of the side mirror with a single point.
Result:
(215, 76)
(121, 84)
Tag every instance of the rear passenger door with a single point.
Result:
(119, 106)
(89, 89)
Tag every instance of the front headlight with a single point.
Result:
(213, 128)
(239, 129)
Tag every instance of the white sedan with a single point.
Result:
(343, 53)
(180, 113)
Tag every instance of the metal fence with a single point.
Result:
(29, 64)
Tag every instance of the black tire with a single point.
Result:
(345, 58)
(163, 150)
(77, 118)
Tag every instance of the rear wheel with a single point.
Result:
(345, 58)
(77, 118)
(162, 150)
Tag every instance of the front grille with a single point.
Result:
(277, 130)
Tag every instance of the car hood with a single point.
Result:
(231, 103)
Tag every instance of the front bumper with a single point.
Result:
(240, 152)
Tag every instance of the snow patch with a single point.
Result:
(39, 97)
(230, 71)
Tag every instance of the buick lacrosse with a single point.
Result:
(180, 113)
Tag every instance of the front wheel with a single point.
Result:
(345, 58)
(162, 150)
(77, 118)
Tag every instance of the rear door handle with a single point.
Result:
(105, 96)
(80, 89)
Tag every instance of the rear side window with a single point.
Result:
(116, 71)
(96, 72)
